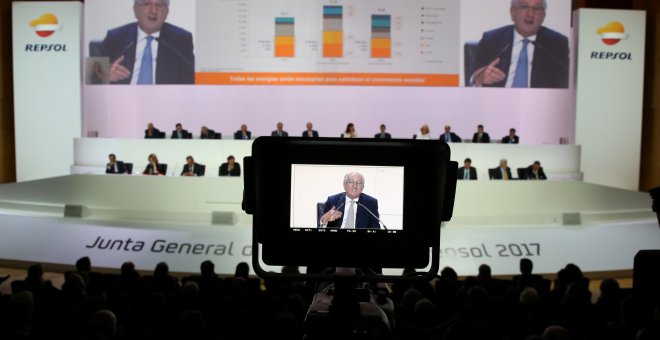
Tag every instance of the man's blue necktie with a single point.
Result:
(520, 78)
(146, 68)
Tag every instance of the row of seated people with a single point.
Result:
(154, 167)
(480, 136)
(502, 172)
(233, 168)
(244, 134)
(133, 305)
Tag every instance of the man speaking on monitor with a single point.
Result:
(351, 209)
(150, 51)
(525, 54)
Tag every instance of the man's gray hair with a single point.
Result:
(140, 2)
(514, 3)
(348, 175)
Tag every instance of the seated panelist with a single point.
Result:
(243, 133)
(152, 132)
(180, 133)
(114, 166)
(231, 168)
(191, 168)
(154, 168)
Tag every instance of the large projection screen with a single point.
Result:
(329, 62)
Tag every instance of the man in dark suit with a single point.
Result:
(180, 133)
(382, 134)
(207, 133)
(243, 133)
(115, 166)
(449, 136)
(501, 50)
(535, 171)
(231, 168)
(512, 138)
(480, 136)
(351, 209)
(467, 171)
(503, 171)
(279, 132)
(310, 132)
(133, 45)
(191, 168)
(151, 132)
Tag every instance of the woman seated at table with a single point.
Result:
(154, 168)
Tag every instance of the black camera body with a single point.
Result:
(410, 187)
(421, 169)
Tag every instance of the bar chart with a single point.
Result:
(321, 42)
(381, 36)
(285, 37)
(333, 38)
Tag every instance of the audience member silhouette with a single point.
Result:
(242, 270)
(527, 279)
(209, 306)
(102, 325)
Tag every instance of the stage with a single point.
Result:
(184, 221)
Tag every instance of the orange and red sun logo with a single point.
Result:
(612, 33)
(46, 25)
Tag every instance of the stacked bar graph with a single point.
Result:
(284, 37)
(381, 36)
(333, 34)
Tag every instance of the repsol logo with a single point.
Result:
(611, 55)
(45, 48)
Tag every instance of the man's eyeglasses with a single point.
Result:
(535, 9)
(354, 183)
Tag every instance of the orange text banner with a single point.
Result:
(352, 79)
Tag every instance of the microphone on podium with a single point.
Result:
(125, 49)
(372, 214)
(506, 47)
(175, 50)
(552, 56)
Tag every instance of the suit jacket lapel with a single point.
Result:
(505, 58)
(341, 201)
(361, 218)
(129, 55)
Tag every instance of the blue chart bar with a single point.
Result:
(333, 10)
(284, 21)
(381, 21)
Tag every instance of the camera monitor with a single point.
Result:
(335, 202)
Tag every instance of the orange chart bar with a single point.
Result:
(333, 35)
(381, 52)
(284, 37)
